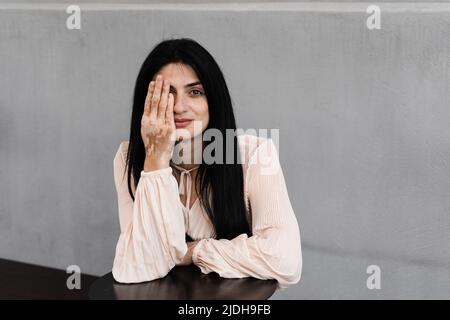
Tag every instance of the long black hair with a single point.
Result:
(221, 182)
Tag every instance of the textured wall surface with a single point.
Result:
(363, 115)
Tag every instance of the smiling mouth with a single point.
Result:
(182, 123)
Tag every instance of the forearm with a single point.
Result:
(273, 256)
(156, 229)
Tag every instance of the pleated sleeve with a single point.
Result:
(152, 231)
(274, 249)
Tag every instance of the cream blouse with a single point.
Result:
(153, 227)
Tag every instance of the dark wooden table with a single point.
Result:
(19, 280)
(184, 283)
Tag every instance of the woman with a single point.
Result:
(228, 218)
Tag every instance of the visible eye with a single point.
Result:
(197, 92)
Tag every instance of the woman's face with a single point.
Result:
(189, 99)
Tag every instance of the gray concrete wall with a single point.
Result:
(363, 116)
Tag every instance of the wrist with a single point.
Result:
(153, 164)
(195, 249)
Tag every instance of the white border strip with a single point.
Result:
(419, 7)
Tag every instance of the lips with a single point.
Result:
(182, 123)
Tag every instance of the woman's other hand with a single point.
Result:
(187, 260)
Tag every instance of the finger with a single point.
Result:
(163, 102)
(155, 98)
(148, 98)
(169, 111)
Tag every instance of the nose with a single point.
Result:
(178, 106)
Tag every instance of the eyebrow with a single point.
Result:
(189, 85)
(192, 84)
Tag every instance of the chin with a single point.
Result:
(184, 133)
(188, 132)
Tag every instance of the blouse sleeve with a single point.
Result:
(273, 251)
(152, 232)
